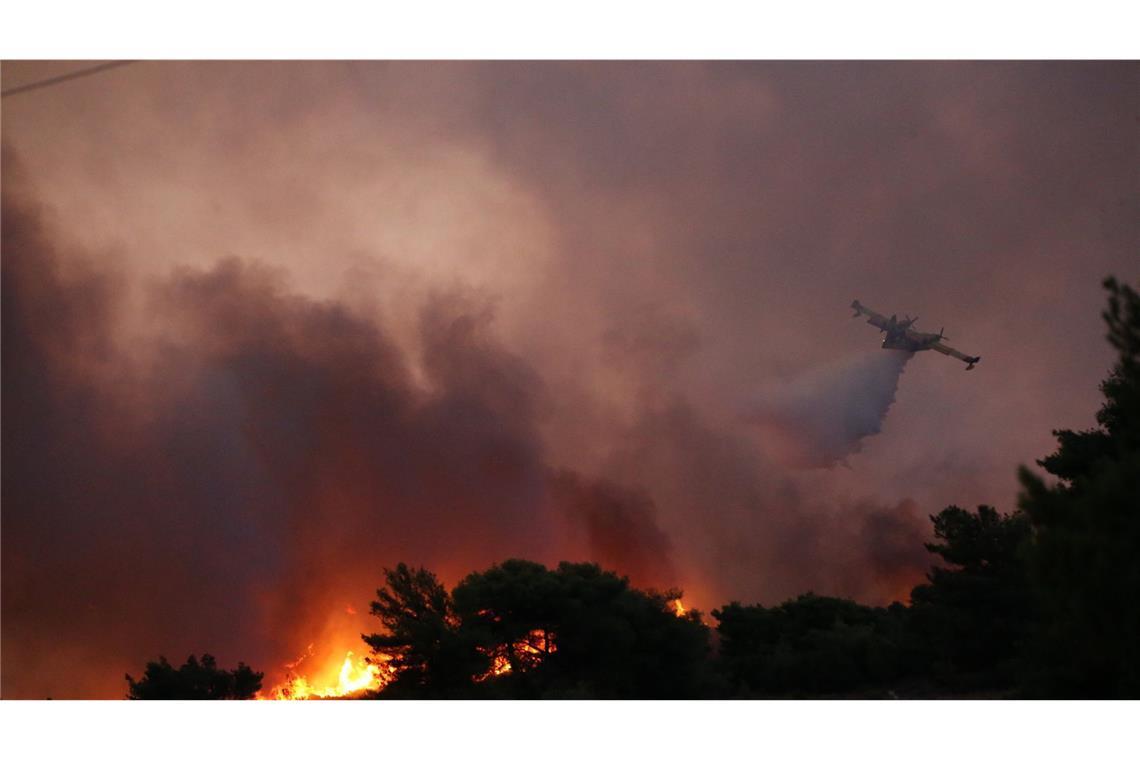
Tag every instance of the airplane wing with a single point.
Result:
(944, 349)
(873, 317)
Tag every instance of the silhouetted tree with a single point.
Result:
(1083, 558)
(521, 630)
(809, 646)
(195, 680)
(596, 636)
(422, 635)
(970, 623)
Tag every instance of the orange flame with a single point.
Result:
(352, 679)
(679, 609)
(527, 653)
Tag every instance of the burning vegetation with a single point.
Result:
(522, 655)
(360, 678)
(516, 628)
(352, 679)
(521, 629)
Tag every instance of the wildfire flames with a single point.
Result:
(355, 678)
(523, 654)
(351, 679)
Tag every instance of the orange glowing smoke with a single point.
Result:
(352, 679)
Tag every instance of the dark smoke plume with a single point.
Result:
(620, 527)
(243, 473)
(212, 442)
(235, 478)
(882, 554)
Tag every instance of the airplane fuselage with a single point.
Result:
(909, 340)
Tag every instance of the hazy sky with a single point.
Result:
(271, 327)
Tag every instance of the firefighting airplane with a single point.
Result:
(900, 336)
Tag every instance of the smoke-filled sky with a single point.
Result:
(269, 328)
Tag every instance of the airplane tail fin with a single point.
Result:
(856, 306)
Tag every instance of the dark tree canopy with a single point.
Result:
(197, 679)
(809, 646)
(422, 635)
(608, 639)
(970, 622)
(522, 630)
(1086, 533)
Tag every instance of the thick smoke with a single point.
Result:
(822, 416)
(883, 552)
(242, 478)
(236, 477)
(749, 529)
(619, 527)
(279, 325)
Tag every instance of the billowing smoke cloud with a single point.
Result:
(756, 530)
(249, 471)
(619, 526)
(887, 541)
(820, 417)
(279, 325)
(237, 476)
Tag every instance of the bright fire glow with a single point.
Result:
(526, 653)
(500, 666)
(679, 609)
(351, 679)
